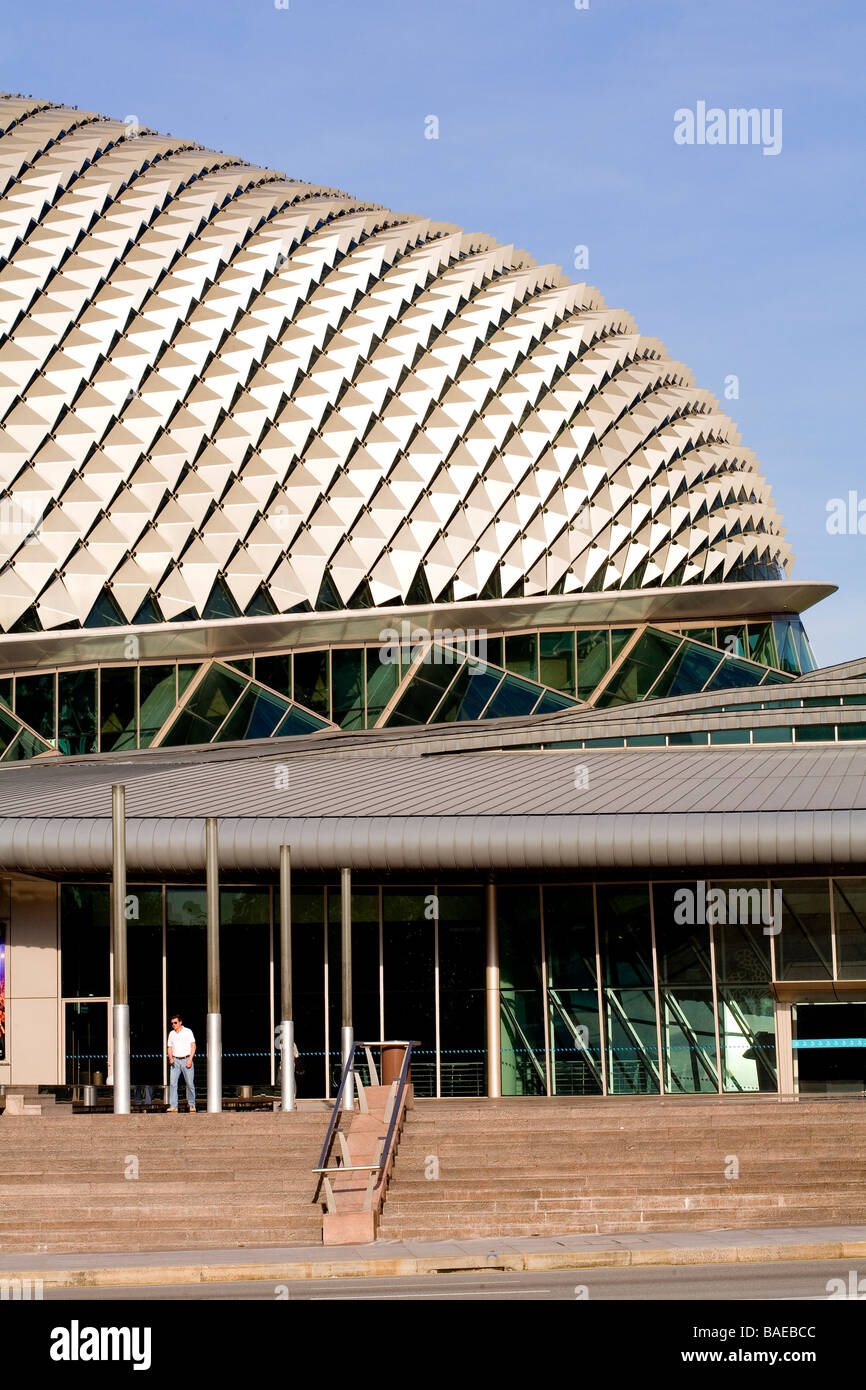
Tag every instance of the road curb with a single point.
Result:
(403, 1266)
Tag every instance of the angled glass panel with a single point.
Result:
(733, 674)
(157, 699)
(300, 721)
(205, 707)
(776, 678)
(383, 677)
(786, 647)
(640, 670)
(805, 655)
(469, 694)
(556, 660)
(426, 686)
(593, 659)
(762, 646)
(256, 715)
(9, 727)
(689, 671)
(26, 745)
(551, 701)
(514, 696)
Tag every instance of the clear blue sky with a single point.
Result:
(556, 129)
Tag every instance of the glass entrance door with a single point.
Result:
(86, 1041)
(829, 1047)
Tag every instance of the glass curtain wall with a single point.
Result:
(612, 988)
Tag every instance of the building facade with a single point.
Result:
(370, 536)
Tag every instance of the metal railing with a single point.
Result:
(379, 1167)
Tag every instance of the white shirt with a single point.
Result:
(181, 1043)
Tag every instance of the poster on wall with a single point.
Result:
(2, 991)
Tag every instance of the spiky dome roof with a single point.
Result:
(226, 391)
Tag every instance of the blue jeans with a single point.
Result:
(179, 1069)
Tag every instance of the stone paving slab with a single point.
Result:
(396, 1258)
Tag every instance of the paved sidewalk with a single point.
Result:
(394, 1258)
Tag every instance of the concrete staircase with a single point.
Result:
(204, 1181)
(533, 1167)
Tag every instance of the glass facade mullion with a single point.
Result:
(605, 1086)
(714, 985)
(544, 989)
(661, 1052)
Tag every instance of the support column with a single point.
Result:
(494, 1040)
(287, 1027)
(214, 1016)
(347, 1036)
(784, 1048)
(120, 1009)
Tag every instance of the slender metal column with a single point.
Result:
(287, 1027)
(494, 1039)
(347, 1036)
(120, 1009)
(214, 1016)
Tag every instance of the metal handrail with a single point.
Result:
(379, 1167)
(395, 1110)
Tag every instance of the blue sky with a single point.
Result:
(556, 130)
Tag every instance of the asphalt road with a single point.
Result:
(798, 1280)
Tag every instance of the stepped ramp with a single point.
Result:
(203, 1181)
(528, 1167)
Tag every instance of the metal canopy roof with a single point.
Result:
(666, 808)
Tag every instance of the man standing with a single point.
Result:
(181, 1050)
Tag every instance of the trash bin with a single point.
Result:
(392, 1063)
(245, 1092)
(88, 1096)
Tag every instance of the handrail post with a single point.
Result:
(494, 1036)
(120, 1009)
(287, 1027)
(347, 1036)
(214, 1016)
